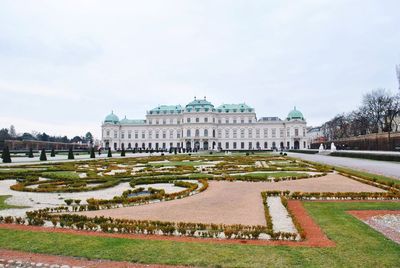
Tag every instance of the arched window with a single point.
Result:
(206, 133)
(265, 145)
(213, 133)
(129, 146)
(188, 133)
(197, 133)
(273, 145)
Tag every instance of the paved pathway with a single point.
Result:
(390, 169)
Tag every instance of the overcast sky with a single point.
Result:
(64, 65)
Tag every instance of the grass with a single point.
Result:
(357, 245)
(177, 164)
(4, 205)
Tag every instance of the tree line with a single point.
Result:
(379, 112)
(11, 134)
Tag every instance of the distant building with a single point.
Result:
(315, 135)
(200, 125)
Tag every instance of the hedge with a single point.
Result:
(380, 157)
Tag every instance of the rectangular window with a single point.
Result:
(157, 122)
(108, 133)
(178, 134)
(164, 134)
(115, 134)
(242, 145)
(226, 145)
(129, 135)
(227, 121)
(122, 135)
(250, 145)
(219, 145)
(265, 133)
(164, 122)
(296, 132)
(257, 133)
(242, 121)
(143, 135)
(157, 135)
(205, 119)
(250, 133)
(235, 134)
(273, 133)
(219, 133)
(197, 120)
(188, 120)
(227, 133)
(234, 120)
(242, 134)
(234, 145)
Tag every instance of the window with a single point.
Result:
(265, 133)
(171, 134)
(257, 133)
(219, 133)
(115, 134)
(304, 134)
(265, 145)
(157, 122)
(296, 132)
(304, 145)
(226, 120)
(235, 133)
(108, 133)
(164, 134)
(213, 133)
(188, 133)
(143, 135)
(157, 135)
(206, 120)
(226, 145)
(242, 145)
(234, 145)
(136, 135)
(129, 135)
(227, 133)
(164, 121)
(150, 122)
(188, 120)
(219, 121)
(242, 134)
(288, 132)
(273, 133)
(250, 133)
(219, 145)
(122, 135)
(197, 120)
(234, 120)
(197, 133)
(250, 145)
(250, 120)
(242, 121)
(150, 134)
(206, 133)
(178, 134)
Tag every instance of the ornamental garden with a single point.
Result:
(257, 199)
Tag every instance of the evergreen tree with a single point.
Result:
(30, 154)
(92, 154)
(43, 156)
(70, 153)
(109, 152)
(6, 155)
(53, 153)
(123, 151)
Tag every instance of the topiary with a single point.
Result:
(43, 156)
(123, 151)
(53, 153)
(109, 153)
(92, 154)
(30, 154)
(6, 155)
(70, 153)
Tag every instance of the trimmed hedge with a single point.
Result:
(304, 151)
(380, 157)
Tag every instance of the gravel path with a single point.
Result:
(281, 221)
(231, 202)
(390, 169)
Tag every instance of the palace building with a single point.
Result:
(200, 125)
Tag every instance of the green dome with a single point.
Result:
(295, 115)
(111, 118)
(196, 105)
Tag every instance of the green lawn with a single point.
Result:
(357, 245)
(3, 204)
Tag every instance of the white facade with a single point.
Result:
(201, 126)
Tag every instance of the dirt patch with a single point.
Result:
(27, 257)
(226, 202)
(380, 220)
(314, 235)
